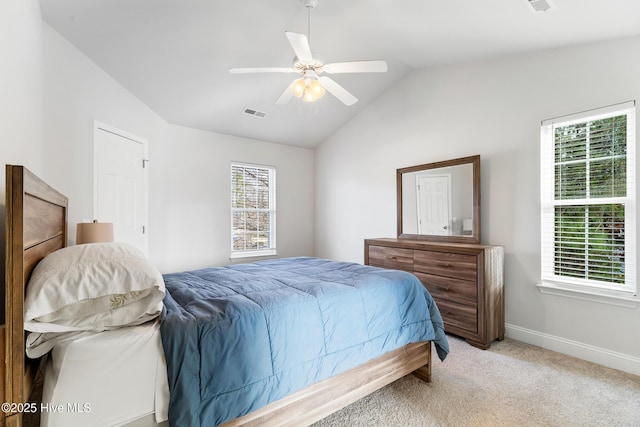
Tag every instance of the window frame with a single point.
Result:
(586, 288)
(261, 252)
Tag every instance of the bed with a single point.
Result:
(36, 227)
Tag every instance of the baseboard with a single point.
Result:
(601, 356)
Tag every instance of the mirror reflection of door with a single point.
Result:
(434, 204)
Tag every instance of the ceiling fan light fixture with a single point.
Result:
(298, 87)
(309, 89)
(316, 89)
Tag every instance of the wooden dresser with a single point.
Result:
(465, 280)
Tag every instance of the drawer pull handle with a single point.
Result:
(392, 257)
(444, 265)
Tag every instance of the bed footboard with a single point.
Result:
(319, 400)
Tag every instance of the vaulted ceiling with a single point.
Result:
(175, 55)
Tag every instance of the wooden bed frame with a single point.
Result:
(36, 225)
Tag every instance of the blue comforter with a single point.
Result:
(239, 337)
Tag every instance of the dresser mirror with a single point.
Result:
(440, 201)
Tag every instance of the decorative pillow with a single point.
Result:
(92, 287)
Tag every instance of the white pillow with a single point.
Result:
(92, 287)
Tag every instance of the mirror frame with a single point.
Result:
(475, 233)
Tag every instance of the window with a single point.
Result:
(588, 201)
(253, 210)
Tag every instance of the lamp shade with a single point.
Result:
(94, 232)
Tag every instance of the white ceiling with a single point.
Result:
(174, 55)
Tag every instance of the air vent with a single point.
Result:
(541, 5)
(253, 112)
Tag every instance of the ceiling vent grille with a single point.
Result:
(254, 112)
(541, 5)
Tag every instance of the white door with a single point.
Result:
(120, 184)
(434, 204)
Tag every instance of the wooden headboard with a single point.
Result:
(36, 225)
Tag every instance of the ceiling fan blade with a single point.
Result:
(377, 66)
(286, 95)
(262, 70)
(338, 91)
(300, 46)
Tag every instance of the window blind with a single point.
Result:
(252, 208)
(588, 199)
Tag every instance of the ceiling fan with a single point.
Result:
(311, 84)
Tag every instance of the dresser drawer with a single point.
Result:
(466, 281)
(447, 288)
(446, 264)
(394, 258)
(458, 315)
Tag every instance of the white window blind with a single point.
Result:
(588, 199)
(253, 210)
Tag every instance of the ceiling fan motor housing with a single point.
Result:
(315, 64)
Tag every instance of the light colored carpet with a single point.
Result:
(511, 384)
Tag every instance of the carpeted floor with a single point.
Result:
(511, 384)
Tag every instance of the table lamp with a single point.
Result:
(94, 232)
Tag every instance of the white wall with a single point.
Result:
(189, 212)
(20, 86)
(492, 108)
(20, 98)
(190, 176)
(77, 92)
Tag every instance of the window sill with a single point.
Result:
(253, 254)
(593, 295)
